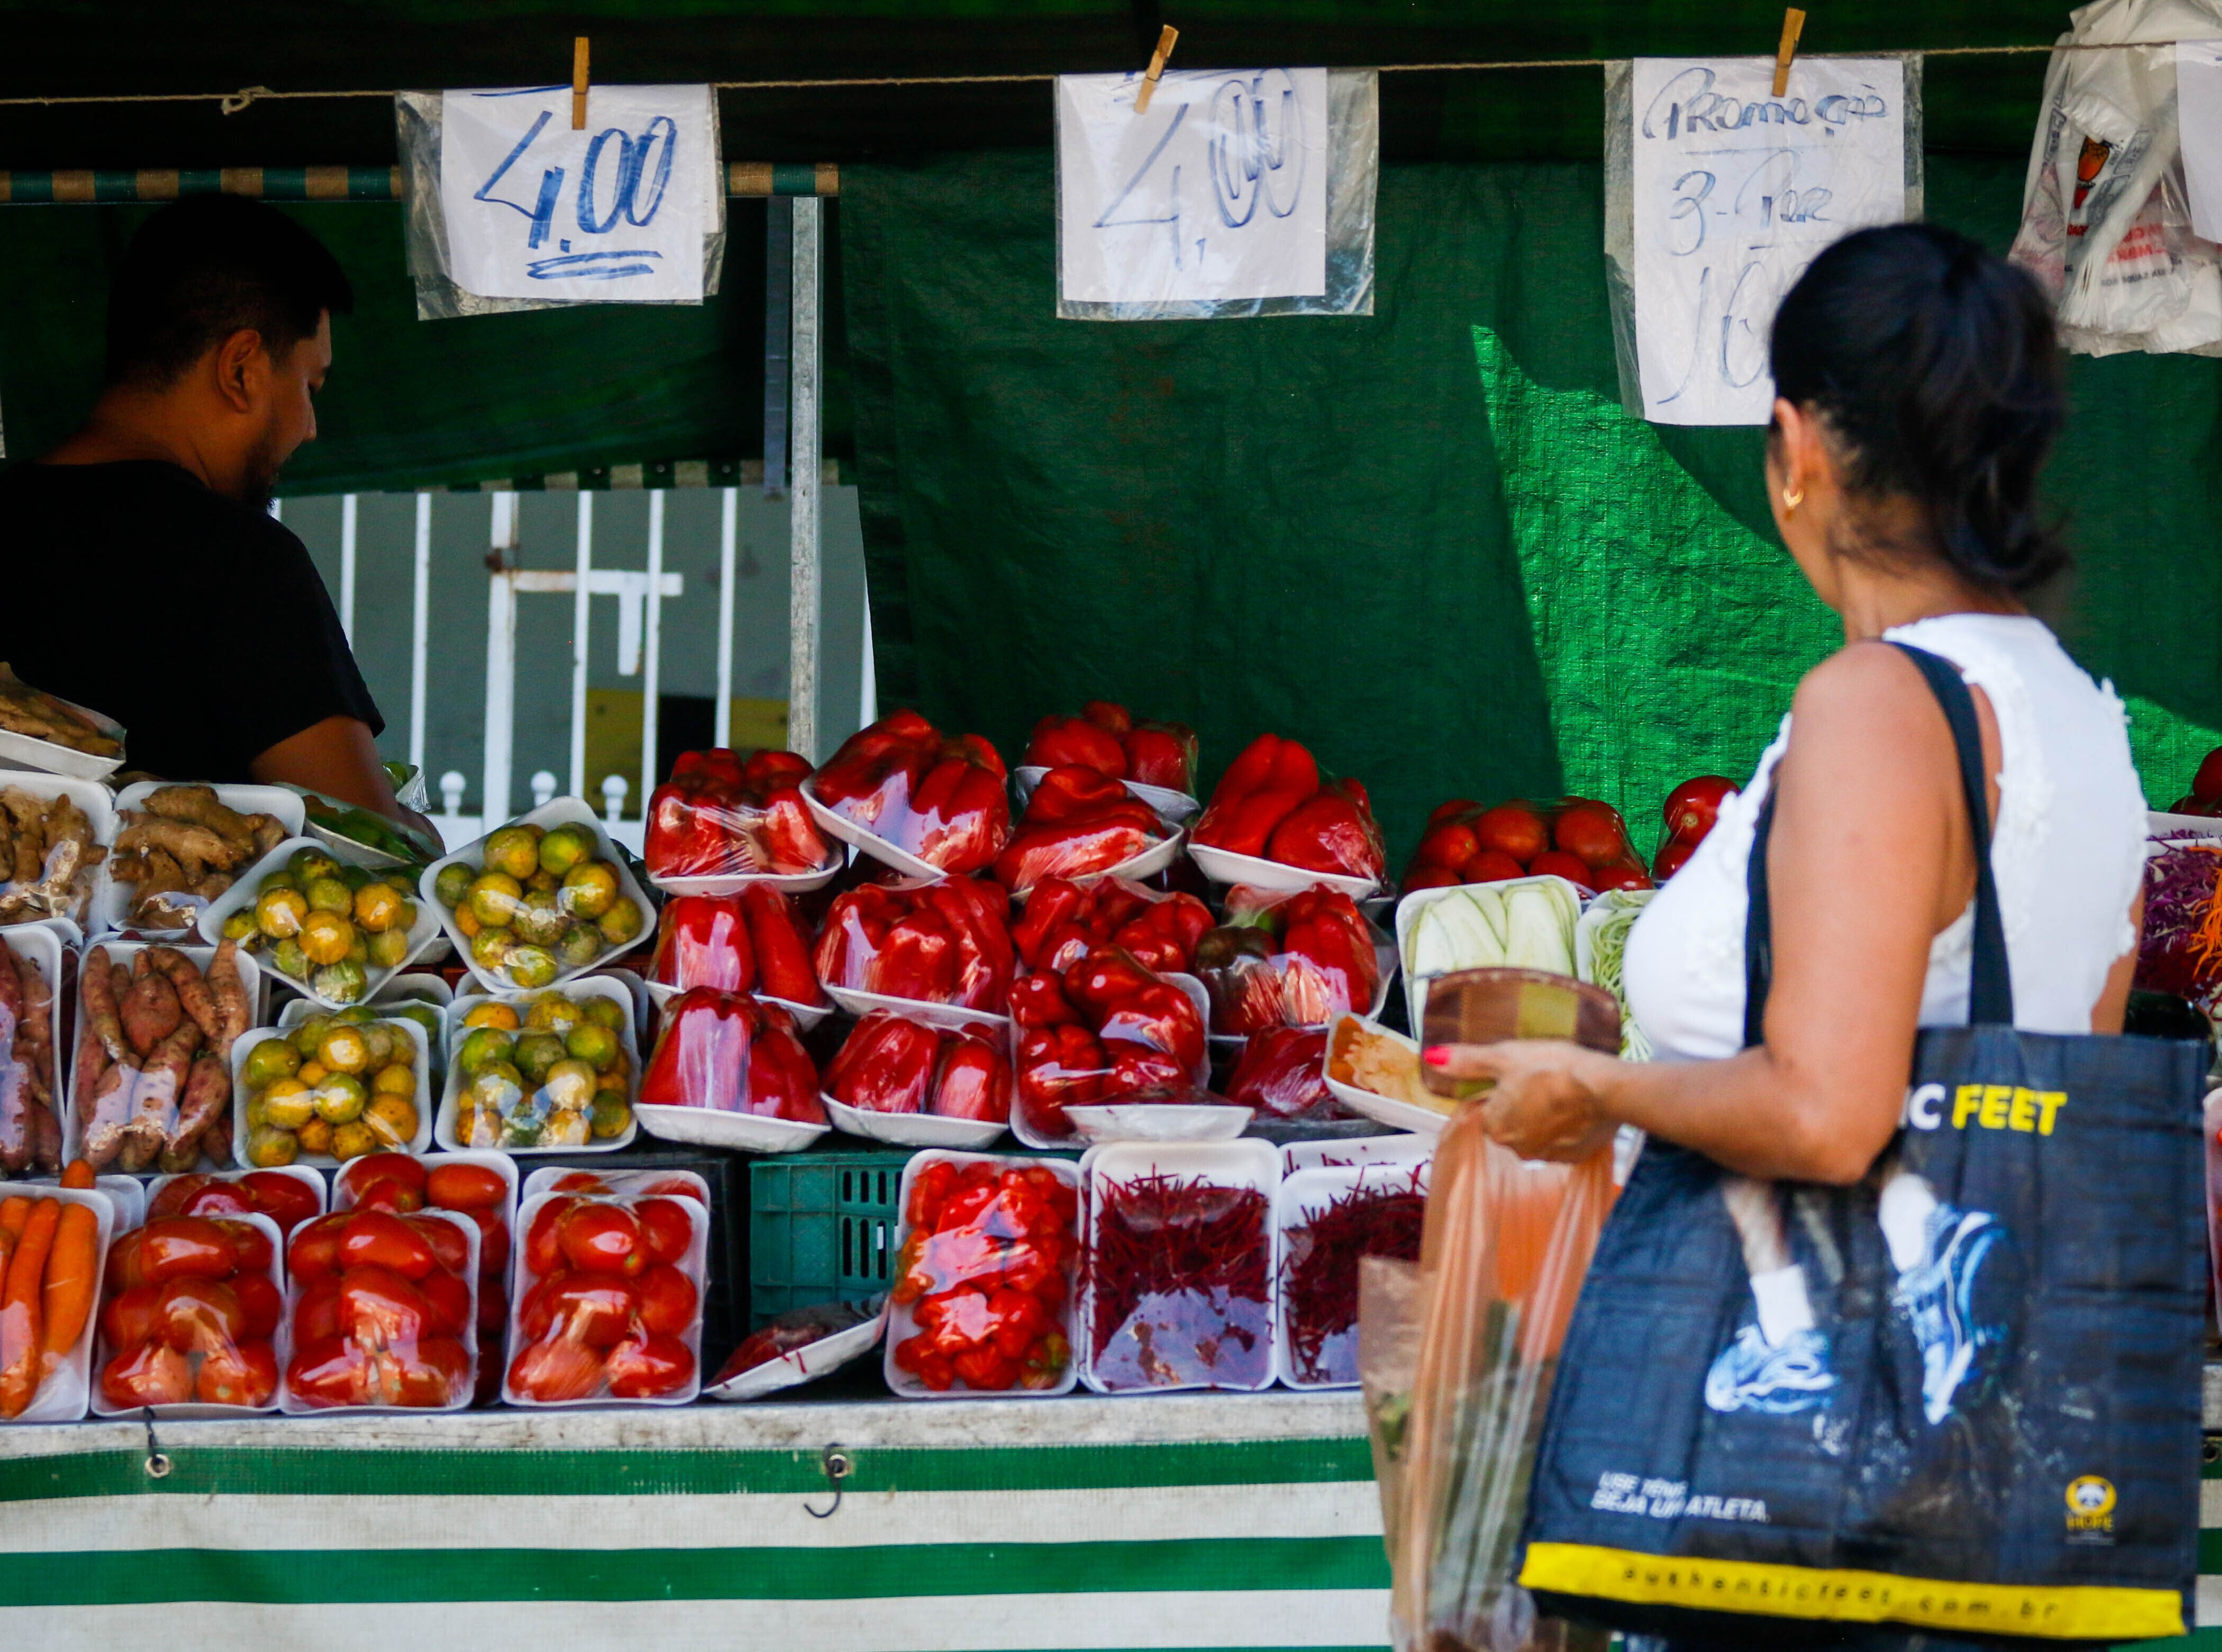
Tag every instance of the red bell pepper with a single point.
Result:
(1161, 1016)
(1078, 821)
(1235, 963)
(1161, 754)
(1331, 831)
(729, 1052)
(1062, 920)
(702, 940)
(1039, 1001)
(1260, 788)
(871, 779)
(1059, 742)
(1105, 976)
(1282, 1072)
(783, 957)
(717, 817)
(972, 1082)
(983, 1273)
(1332, 966)
(886, 1065)
(944, 943)
(1059, 1067)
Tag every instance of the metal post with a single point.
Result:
(779, 282)
(347, 566)
(650, 773)
(581, 614)
(500, 695)
(727, 532)
(808, 446)
(420, 630)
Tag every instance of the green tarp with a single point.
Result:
(1427, 542)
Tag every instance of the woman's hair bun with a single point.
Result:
(1935, 364)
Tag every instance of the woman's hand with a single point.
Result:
(1547, 1103)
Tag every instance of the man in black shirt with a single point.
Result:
(143, 574)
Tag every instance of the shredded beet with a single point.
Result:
(1319, 1272)
(1177, 1274)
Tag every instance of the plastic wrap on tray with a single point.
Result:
(787, 1336)
(335, 933)
(539, 900)
(54, 1241)
(178, 848)
(1105, 1030)
(191, 1316)
(327, 1090)
(718, 816)
(1583, 841)
(754, 941)
(30, 1117)
(547, 1070)
(1062, 919)
(53, 836)
(732, 1054)
(944, 943)
(1078, 823)
(1282, 1072)
(1272, 804)
(289, 1198)
(152, 1082)
(383, 1311)
(1289, 959)
(609, 1299)
(931, 795)
(893, 1063)
(2179, 951)
(1106, 738)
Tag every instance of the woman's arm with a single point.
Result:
(338, 757)
(1871, 856)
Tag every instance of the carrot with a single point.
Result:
(20, 1363)
(65, 1301)
(14, 1215)
(78, 1174)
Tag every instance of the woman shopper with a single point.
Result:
(1785, 990)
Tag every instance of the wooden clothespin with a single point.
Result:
(1793, 23)
(1165, 39)
(578, 83)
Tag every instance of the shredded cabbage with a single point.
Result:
(1608, 952)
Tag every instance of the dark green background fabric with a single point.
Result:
(1303, 524)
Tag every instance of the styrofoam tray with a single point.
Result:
(414, 987)
(1225, 866)
(806, 1016)
(696, 1267)
(561, 810)
(1106, 1121)
(127, 1193)
(1201, 1077)
(1232, 1164)
(951, 1016)
(123, 951)
(591, 985)
(706, 1127)
(1301, 1198)
(202, 1410)
(422, 933)
(99, 806)
(902, 1323)
(802, 1365)
(52, 758)
(308, 1176)
(464, 1390)
(1408, 909)
(1171, 805)
(39, 947)
(910, 1129)
(111, 902)
(1386, 1109)
(734, 882)
(64, 1394)
(2159, 824)
(1408, 1149)
(422, 1063)
(864, 838)
(1147, 863)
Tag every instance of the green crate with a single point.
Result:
(821, 1229)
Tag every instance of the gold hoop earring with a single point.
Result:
(1792, 498)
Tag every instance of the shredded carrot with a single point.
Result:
(2207, 939)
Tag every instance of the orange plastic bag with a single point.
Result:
(1506, 1246)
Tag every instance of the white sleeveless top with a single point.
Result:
(2068, 851)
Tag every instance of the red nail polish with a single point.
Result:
(1436, 1056)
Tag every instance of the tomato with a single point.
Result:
(1692, 806)
(178, 1247)
(1557, 863)
(1444, 810)
(129, 1317)
(430, 1375)
(253, 1246)
(450, 1299)
(665, 1229)
(1672, 855)
(1513, 828)
(1624, 877)
(1491, 866)
(396, 1198)
(466, 1187)
(543, 1253)
(315, 1249)
(378, 1307)
(493, 1242)
(556, 1370)
(170, 1201)
(579, 1181)
(219, 1199)
(602, 1239)
(244, 1375)
(451, 1246)
(593, 1310)
(199, 1315)
(124, 1269)
(259, 1302)
(673, 1187)
(287, 1200)
(153, 1373)
(1592, 833)
(374, 1239)
(316, 1313)
(667, 1300)
(331, 1370)
(493, 1311)
(1451, 844)
(647, 1368)
(1424, 876)
(360, 1177)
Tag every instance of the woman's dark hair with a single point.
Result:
(205, 267)
(1933, 362)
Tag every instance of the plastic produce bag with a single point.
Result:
(608, 1298)
(1063, 920)
(1106, 738)
(942, 943)
(1291, 960)
(986, 1253)
(1583, 841)
(754, 941)
(30, 1123)
(383, 1311)
(733, 1053)
(1105, 1030)
(1273, 804)
(934, 798)
(2105, 222)
(718, 817)
(1506, 1245)
(1079, 823)
(893, 1063)
(153, 1079)
(191, 1313)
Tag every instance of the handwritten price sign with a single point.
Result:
(615, 213)
(1735, 193)
(1218, 191)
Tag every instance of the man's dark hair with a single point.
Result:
(204, 269)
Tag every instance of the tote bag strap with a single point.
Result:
(1990, 987)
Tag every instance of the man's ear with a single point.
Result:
(240, 364)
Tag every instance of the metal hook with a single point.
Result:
(158, 1462)
(835, 1462)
